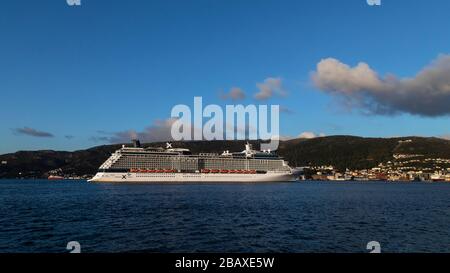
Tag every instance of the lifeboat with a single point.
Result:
(168, 171)
(215, 171)
(223, 171)
(232, 171)
(205, 171)
(150, 171)
(253, 171)
(159, 171)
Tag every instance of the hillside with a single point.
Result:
(340, 151)
(357, 152)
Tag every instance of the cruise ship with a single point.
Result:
(137, 164)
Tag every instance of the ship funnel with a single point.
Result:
(136, 143)
(248, 150)
(248, 147)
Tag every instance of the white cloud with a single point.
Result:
(160, 130)
(309, 135)
(269, 88)
(425, 94)
(282, 138)
(304, 135)
(234, 94)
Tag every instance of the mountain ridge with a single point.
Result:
(341, 151)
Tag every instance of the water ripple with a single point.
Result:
(42, 216)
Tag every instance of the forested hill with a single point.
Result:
(359, 153)
(340, 151)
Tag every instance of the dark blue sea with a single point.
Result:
(43, 216)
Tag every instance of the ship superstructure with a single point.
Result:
(137, 164)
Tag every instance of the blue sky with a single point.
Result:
(105, 67)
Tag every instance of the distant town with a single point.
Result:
(403, 167)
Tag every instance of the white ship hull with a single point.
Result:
(190, 177)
